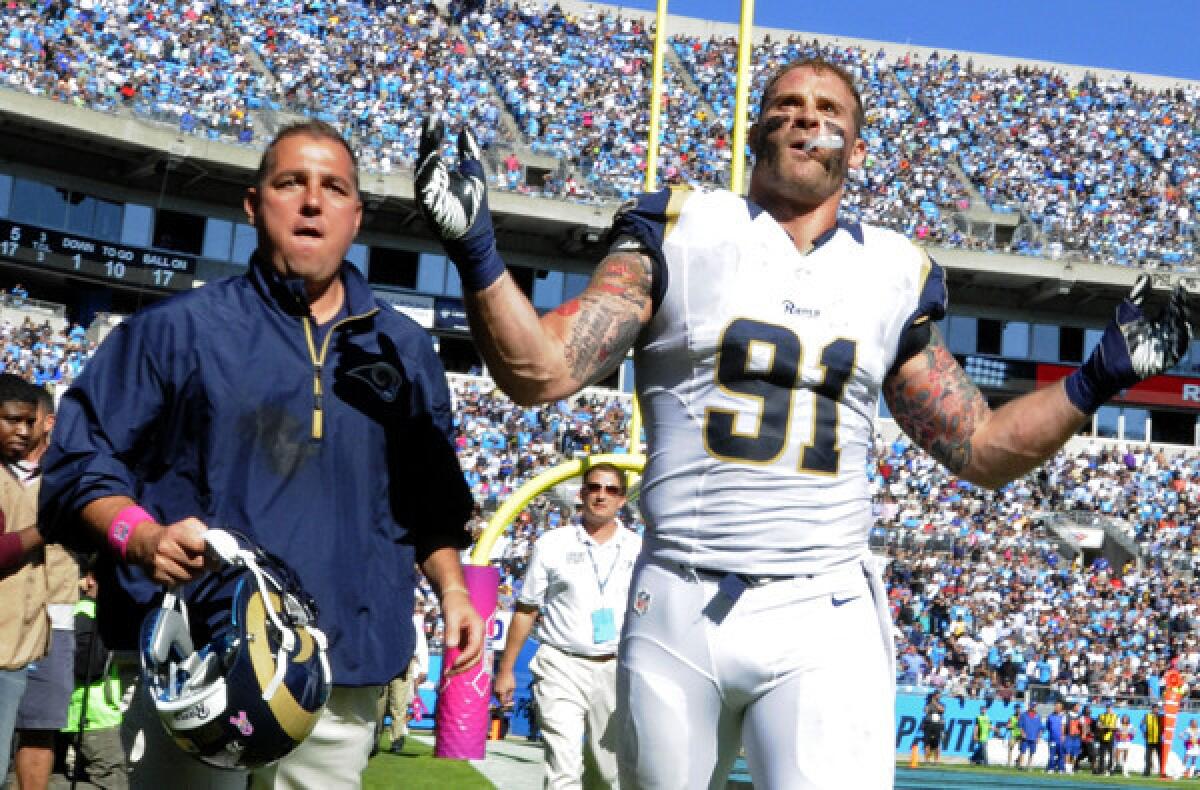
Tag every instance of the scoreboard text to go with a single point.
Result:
(50, 249)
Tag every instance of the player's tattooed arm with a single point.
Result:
(603, 322)
(936, 403)
(539, 359)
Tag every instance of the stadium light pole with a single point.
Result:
(737, 169)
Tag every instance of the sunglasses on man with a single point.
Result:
(610, 489)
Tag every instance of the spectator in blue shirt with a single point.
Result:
(1031, 733)
(1055, 735)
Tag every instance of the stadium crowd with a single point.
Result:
(41, 354)
(372, 70)
(1105, 168)
(986, 605)
(165, 60)
(575, 85)
(1100, 168)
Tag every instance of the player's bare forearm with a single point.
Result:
(1022, 434)
(579, 342)
(602, 323)
(521, 356)
(936, 403)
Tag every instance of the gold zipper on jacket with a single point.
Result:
(318, 360)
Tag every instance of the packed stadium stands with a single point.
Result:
(1104, 169)
(986, 602)
(372, 70)
(37, 345)
(164, 60)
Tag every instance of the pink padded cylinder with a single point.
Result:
(463, 707)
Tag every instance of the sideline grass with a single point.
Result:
(417, 769)
(1135, 779)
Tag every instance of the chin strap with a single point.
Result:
(225, 547)
(318, 636)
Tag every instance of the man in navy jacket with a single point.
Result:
(289, 405)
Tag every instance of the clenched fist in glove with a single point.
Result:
(455, 206)
(1132, 348)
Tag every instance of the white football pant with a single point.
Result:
(799, 670)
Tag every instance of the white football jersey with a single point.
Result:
(759, 378)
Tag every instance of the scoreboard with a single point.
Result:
(99, 260)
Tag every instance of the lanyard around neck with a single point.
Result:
(601, 583)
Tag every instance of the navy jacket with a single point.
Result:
(333, 451)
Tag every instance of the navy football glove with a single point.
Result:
(1132, 348)
(455, 205)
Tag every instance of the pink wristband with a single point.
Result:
(122, 527)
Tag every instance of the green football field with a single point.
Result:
(417, 769)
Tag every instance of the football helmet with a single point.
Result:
(253, 689)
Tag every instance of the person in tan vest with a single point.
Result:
(24, 623)
(50, 681)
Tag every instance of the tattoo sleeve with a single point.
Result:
(607, 317)
(936, 403)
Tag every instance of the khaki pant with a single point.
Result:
(333, 756)
(99, 764)
(576, 698)
(399, 695)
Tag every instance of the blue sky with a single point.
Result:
(1150, 36)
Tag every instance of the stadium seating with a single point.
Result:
(164, 60)
(1105, 170)
(36, 342)
(575, 85)
(372, 69)
(1017, 615)
(986, 606)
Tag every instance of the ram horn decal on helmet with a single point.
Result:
(247, 691)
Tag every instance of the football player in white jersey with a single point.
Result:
(764, 333)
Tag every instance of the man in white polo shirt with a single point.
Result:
(576, 590)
